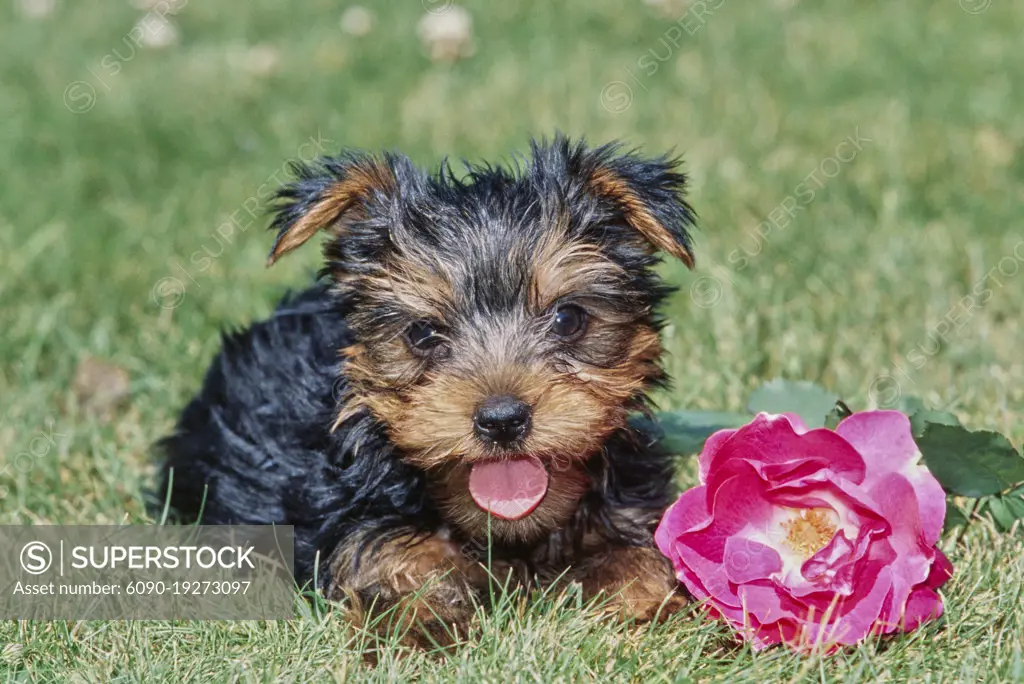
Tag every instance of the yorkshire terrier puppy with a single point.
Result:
(456, 387)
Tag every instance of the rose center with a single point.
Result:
(810, 531)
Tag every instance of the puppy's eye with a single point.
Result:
(569, 321)
(423, 336)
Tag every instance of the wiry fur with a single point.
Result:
(325, 418)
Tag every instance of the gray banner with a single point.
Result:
(146, 572)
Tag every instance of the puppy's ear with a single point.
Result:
(647, 193)
(329, 193)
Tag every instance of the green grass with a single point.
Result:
(98, 207)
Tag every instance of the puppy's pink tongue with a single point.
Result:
(509, 489)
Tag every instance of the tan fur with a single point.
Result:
(606, 183)
(434, 423)
(637, 581)
(417, 286)
(615, 385)
(563, 267)
(426, 580)
(340, 199)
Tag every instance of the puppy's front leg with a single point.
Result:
(426, 578)
(637, 580)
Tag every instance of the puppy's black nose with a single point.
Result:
(502, 419)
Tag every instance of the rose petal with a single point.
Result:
(931, 502)
(796, 422)
(767, 602)
(712, 445)
(882, 626)
(747, 560)
(690, 512)
(702, 574)
(739, 505)
(923, 605)
(853, 618)
(772, 446)
(941, 572)
(886, 441)
(783, 631)
(832, 567)
(894, 498)
(832, 570)
(882, 438)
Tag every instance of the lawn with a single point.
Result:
(857, 169)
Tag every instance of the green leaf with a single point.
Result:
(920, 419)
(1005, 509)
(969, 463)
(809, 401)
(684, 432)
(837, 414)
(954, 516)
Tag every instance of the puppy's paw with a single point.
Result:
(637, 582)
(638, 603)
(419, 587)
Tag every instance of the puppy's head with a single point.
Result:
(505, 321)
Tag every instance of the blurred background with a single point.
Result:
(856, 168)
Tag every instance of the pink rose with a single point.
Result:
(813, 538)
